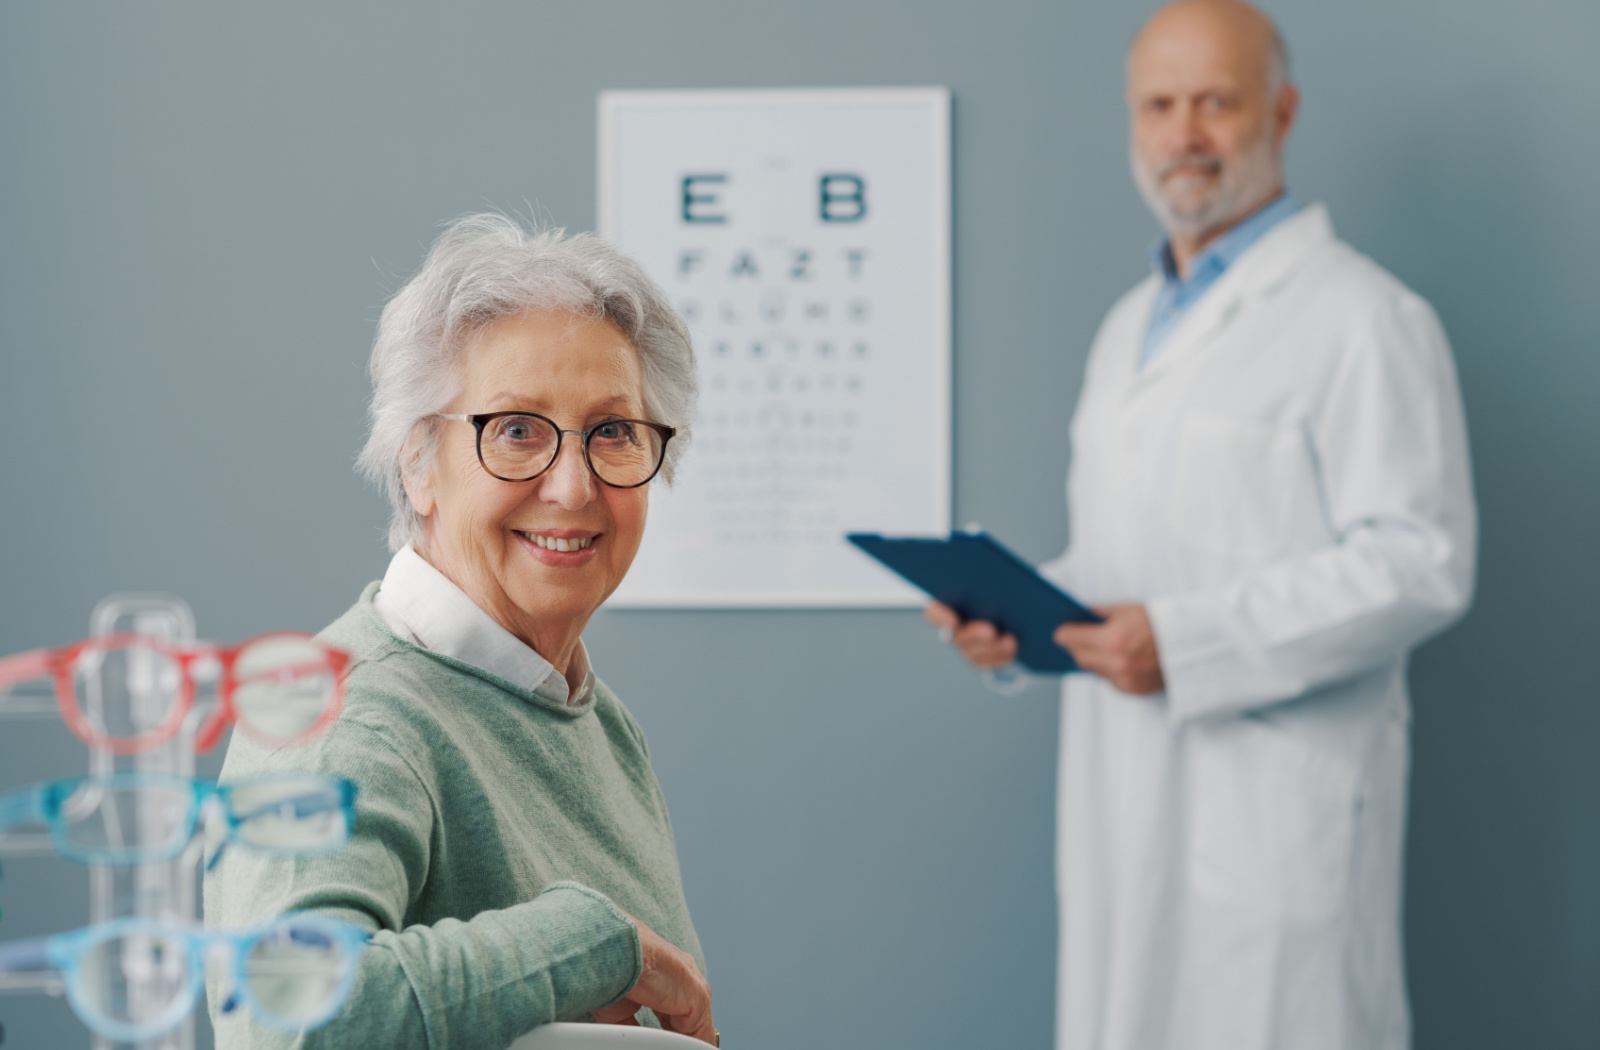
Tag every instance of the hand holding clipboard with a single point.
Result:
(981, 580)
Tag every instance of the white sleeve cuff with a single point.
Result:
(1007, 680)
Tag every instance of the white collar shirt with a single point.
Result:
(422, 606)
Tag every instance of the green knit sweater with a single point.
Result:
(494, 831)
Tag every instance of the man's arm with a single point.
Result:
(1392, 449)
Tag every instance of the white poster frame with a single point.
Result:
(894, 593)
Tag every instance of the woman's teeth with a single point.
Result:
(550, 543)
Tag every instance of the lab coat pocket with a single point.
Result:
(1271, 820)
(1234, 484)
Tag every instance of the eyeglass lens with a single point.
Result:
(135, 979)
(288, 814)
(283, 685)
(294, 972)
(518, 447)
(126, 691)
(117, 822)
(109, 820)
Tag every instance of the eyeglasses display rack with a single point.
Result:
(137, 972)
(166, 890)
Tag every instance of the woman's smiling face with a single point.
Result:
(497, 540)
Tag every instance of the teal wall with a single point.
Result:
(203, 208)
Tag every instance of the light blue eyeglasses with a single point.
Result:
(141, 818)
(135, 979)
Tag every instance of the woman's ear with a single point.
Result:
(415, 476)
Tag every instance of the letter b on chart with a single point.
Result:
(841, 197)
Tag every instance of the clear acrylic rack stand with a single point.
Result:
(168, 891)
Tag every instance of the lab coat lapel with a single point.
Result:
(1260, 269)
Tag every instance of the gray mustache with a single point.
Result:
(1210, 162)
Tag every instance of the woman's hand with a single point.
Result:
(982, 645)
(669, 984)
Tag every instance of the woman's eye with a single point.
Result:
(520, 430)
(615, 432)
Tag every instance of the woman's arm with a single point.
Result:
(474, 985)
(454, 985)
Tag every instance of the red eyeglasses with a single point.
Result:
(127, 693)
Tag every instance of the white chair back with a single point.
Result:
(565, 1036)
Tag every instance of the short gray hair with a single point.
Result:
(483, 268)
(1278, 72)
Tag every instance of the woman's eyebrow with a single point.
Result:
(512, 400)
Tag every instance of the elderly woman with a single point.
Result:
(512, 853)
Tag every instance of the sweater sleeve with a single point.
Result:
(454, 985)
(1392, 447)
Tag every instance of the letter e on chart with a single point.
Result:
(700, 200)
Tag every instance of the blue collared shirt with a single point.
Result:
(1178, 296)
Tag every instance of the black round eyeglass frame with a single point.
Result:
(480, 419)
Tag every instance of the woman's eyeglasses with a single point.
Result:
(142, 818)
(519, 446)
(293, 973)
(127, 693)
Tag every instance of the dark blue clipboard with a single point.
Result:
(982, 580)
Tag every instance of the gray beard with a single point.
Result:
(1244, 186)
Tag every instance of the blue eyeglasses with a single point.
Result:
(141, 818)
(135, 979)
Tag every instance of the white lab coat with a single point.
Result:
(1287, 489)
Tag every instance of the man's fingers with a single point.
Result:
(980, 636)
(976, 631)
(962, 633)
(981, 643)
(1122, 650)
(1091, 661)
(990, 652)
(1101, 635)
(1075, 635)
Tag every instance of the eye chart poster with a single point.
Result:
(804, 236)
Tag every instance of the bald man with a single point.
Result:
(1271, 503)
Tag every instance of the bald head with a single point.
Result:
(1211, 105)
(1235, 32)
